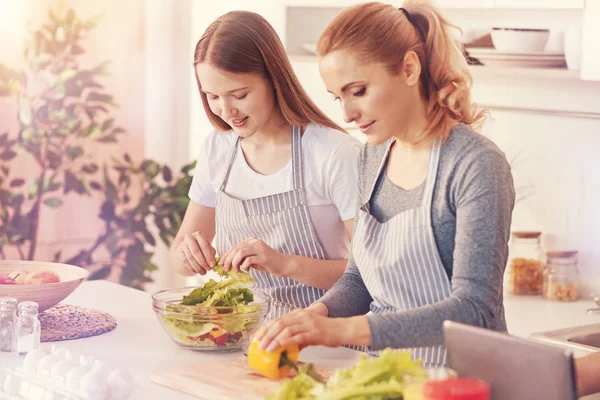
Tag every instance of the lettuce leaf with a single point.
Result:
(231, 291)
(381, 378)
(299, 388)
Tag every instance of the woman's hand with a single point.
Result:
(256, 254)
(302, 327)
(196, 253)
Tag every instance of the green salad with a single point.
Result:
(381, 378)
(213, 314)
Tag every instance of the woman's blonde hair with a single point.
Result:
(244, 42)
(378, 32)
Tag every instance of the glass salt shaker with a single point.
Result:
(28, 327)
(8, 319)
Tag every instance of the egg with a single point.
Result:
(62, 368)
(74, 376)
(32, 359)
(95, 382)
(87, 360)
(120, 385)
(47, 363)
(60, 352)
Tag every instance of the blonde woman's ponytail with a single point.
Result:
(445, 78)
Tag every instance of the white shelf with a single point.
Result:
(480, 72)
(455, 4)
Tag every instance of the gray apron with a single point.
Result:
(399, 261)
(282, 221)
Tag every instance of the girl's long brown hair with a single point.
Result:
(244, 42)
(381, 33)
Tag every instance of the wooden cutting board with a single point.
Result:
(219, 380)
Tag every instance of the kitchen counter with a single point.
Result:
(140, 346)
(530, 314)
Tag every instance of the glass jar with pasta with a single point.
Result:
(525, 271)
(561, 277)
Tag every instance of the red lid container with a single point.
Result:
(462, 388)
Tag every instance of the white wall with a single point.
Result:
(556, 162)
(167, 109)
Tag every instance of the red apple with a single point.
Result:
(6, 280)
(40, 277)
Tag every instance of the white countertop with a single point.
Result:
(529, 314)
(139, 345)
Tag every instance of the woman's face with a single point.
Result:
(377, 101)
(245, 101)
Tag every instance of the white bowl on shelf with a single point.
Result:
(517, 40)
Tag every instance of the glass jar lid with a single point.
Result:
(526, 234)
(28, 307)
(562, 257)
(8, 303)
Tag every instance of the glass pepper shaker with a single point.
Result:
(28, 327)
(8, 319)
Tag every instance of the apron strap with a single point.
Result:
(434, 159)
(379, 172)
(230, 164)
(297, 160)
(434, 162)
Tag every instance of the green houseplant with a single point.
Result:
(64, 115)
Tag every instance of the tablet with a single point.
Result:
(515, 368)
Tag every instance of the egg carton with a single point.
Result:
(18, 385)
(63, 375)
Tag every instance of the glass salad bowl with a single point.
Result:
(208, 328)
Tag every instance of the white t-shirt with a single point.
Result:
(330, 180)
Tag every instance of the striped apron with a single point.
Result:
(399, 261)
(282, 221)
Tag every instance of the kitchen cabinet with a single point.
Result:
(590, 61)
(330, 3)
(466, 3)
(540, 4)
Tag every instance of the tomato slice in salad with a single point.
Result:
(217, 335)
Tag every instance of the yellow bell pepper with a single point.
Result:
(274, 365)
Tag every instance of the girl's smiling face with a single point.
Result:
(245, 101)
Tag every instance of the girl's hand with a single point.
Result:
(254, 253)
(196, 253)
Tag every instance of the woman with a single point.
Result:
(275, 181)
(435, 197)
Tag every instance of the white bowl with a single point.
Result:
(514, 40)
(47, 295)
